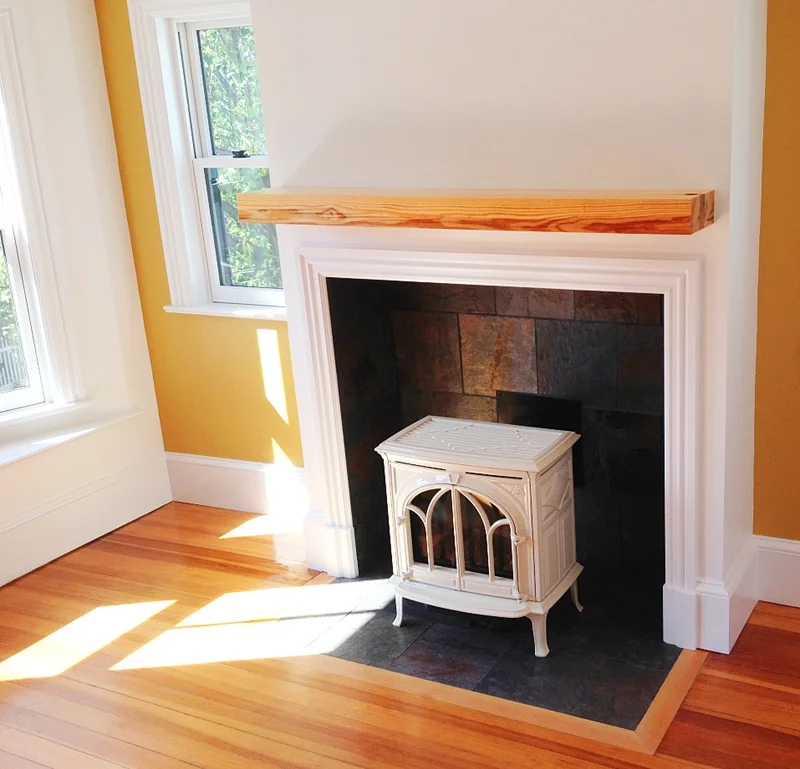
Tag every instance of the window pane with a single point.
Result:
(13, 371)
(247, 254)
(233, 101)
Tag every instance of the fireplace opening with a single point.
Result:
(586, 361)
(589, 362)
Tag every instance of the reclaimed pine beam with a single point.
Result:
(593, 211)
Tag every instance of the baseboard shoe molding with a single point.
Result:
(58, 526)
(778, 570)
(278, 490)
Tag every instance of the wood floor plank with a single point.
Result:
(85, 739)
(726, 743)
(746, 702)
(743, 710)
(47, 753)
(776, 616)
(10, 761)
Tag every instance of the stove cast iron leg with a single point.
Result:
(398, 601)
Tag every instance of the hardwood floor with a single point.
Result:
(126, 704)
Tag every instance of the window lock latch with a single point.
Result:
(239, 154)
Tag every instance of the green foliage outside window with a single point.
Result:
(13, 372)
(9, 329)
(247, 254)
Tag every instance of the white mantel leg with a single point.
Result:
(539, 622)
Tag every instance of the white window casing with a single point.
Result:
(52, 377)
(179, 155)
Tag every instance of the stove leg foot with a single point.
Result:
(573, 591)
(539, 623)
(398, 601)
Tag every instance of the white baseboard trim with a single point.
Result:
(325, 544)
(680, 617)
(725, 606)
(767, 570)
(49, 530)
(251, 487)
(779, 570)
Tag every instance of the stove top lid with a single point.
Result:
(479, 444)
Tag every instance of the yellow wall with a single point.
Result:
(208, 372)
(777, 477)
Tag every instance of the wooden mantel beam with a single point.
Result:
(592, 211)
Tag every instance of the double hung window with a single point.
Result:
(230, 156)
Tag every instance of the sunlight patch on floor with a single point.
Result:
(266, 624)
(247, 625)
(261, 526)
(239, 642)
(338, 598)
(78, 640)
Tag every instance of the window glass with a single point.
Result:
(13, 370)
(247, 254)
(230, 80)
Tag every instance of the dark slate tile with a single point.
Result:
(447, 654)
(643, 536)
(497, 353)
(641, 368)
(434, 662)
(512, 301)
(621, 621)
(551, 682)
(362, 338)
(379, 643)
(581, 683)
(427, 349)
(478, 638)
(577, 360)
(618, 693)
(551, 303)
(622, 307)
(416, 405)
(630, 450)
(598, 533)
(366, 421)
(444, 297)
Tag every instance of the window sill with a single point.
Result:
(56, 426)
(250, 311)
(10, 421)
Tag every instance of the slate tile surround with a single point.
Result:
(497, 353)
(405, 350)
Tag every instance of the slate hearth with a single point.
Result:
(605, 665)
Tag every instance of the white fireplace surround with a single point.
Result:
(329, 528)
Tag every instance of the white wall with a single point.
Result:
(68, 479)
(504, 93)
(542, 94)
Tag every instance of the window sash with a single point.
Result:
(34, 393)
